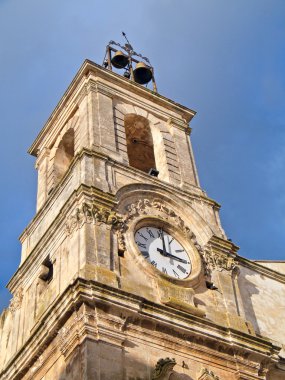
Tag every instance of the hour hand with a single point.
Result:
(162, 251)
(163, 242)
(171, 256)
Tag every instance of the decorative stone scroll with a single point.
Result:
(16, 301)
(208, 375)
(163, 368)
(155, 208)
(219, 260)
(91, 213)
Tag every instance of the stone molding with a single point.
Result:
(16, 301)
(181, 124)
(84, 75)
(155, 207)
(70, 334)
(219, 262)
(220, 255)
(208, 375)
(191, 195)
(45, 153)
(82, 292)
(91, 213)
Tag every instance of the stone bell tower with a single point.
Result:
(126, 272)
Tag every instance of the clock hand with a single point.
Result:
(170, 249)
(163, 242)
(172, 256)
(176, 258)
(164, 253)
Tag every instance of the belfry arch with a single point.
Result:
(139, 142)
(64, 155)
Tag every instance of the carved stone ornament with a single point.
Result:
(163, 369)
(208, 375)
(91, 213)
(218, 261)
(155, 208)
(16, 301)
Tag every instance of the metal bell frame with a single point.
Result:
(107, 62)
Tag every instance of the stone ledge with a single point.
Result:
(93, 293)
(180, 305)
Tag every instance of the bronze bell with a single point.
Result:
(119, 60)
(142, 73)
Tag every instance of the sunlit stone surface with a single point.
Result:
(86, 303)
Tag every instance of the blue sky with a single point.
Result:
(223, 58)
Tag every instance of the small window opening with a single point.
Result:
(121, 253)
(46, 270)
(153, 172)
(210, 285)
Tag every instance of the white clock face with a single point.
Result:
(163, 251)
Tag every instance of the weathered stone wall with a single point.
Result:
(105, 312)
(262, 302)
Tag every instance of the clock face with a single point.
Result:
(163, 251)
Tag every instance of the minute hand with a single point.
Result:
(172, 256)
(163, 243)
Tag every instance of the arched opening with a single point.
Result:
(139, 142)
(64, 155)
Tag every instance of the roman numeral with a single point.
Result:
(159, 233)
(179, 250)
(141, 244)
(164, 270)
(175, 274)
(141, 235)
(183, 270)
(154, 263)
(150, 232)
(145, 254)
(171, 241)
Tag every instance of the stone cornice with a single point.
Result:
(197, 193)
(144, 92)
(59, 186)
(82, 77)
(220, 245)
(129, 97)
(94, 293)
(81, 192)
(108, 200)
(223, 245)
(268, 272)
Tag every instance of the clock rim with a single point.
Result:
(194, 277)
(177, 239)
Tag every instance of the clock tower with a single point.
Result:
(126, 272)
